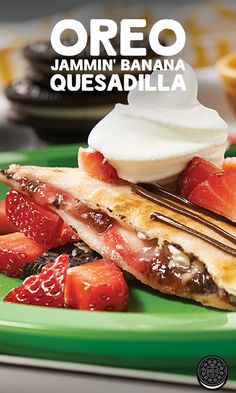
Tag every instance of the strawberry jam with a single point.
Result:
(98, 220)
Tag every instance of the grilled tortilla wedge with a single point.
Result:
(118, 223)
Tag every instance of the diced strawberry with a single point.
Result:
(94, 163)
(15, 250)
(6, 225)
(45, 288)
(195, 173)
(229, 163)
(35, 221)
(97, 286)
(38, 222)
(217, 194)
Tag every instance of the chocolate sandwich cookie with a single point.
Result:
(41, 57)
(61, 117)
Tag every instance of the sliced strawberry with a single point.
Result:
(94, 163)
(97, 286)
(6, 225)
(45, 288)
(217, 194)
(35, 221)
(229, 163)
(196, 172)
(15, 250)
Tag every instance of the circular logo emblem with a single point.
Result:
(212, 372)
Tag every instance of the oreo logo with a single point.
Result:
(212, 372)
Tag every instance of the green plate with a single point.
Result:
(158, 333)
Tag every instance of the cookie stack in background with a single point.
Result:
(59, 117)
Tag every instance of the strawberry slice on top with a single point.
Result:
(95, 164)
(45, 288)
(197, 171)
(212, 188)
(35, 221)
(217, 194)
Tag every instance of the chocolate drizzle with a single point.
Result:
(166, 220)
(156, 189)
(162, 196)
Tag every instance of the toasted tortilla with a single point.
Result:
(133, 212)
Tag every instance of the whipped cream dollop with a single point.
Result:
(158, 132)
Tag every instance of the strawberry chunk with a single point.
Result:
(15, 250)
(35, 221)
(229, 163)
(217, 194)
(45, 288)
(97, 286)
(197, 171)
(6, 225)
(95, 164)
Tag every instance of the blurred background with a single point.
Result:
(31, 115)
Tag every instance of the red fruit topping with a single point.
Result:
(15, 250)
(45, 288)
(217, 194)
(94, 163)
(97, 286)
(35, 221)
(196, 172)
(229, 163)
(6, 225)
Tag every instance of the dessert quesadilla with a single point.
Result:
(165, 242)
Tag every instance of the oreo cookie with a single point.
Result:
(41, 56)
(62, 117)
(58, 117)
(26, 92)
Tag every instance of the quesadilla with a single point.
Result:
(175, 249)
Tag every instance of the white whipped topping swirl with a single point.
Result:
(157, 133)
